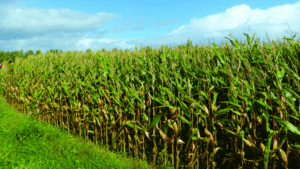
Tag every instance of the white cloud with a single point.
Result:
(177, 30)
(237, 20)
(30, 28)
(32, 21)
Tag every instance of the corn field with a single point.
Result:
(195, 107)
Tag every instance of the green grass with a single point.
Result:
(26, 143)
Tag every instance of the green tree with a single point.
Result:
(88, 50)
(38, 52)
(30, 52)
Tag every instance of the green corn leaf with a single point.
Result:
(185, 120)
(266, 157)
(155, 120)
(192, 134)
(297, 146)
(265, 116)
(129, 123)
(263, 104)
(288, 125)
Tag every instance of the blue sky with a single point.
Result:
(73, 25)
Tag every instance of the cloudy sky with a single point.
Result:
(73, 25)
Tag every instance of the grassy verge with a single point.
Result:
(26, 143)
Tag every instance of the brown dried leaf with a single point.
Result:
(147, 134)
(163, 135)
(219, 124)
(263, 147)
(208, 134)
(250, 125)
(283, 155)
(126, 130)
(259, 120)
(193, 105)
(250, 138)
(179, 141)
(206, 110)
(216, 149)
(275, 143)
(207, 140)
(283, 99)
(198, 134)
(280, 114)
(175, 127)
(247, 142)
(216, 108)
